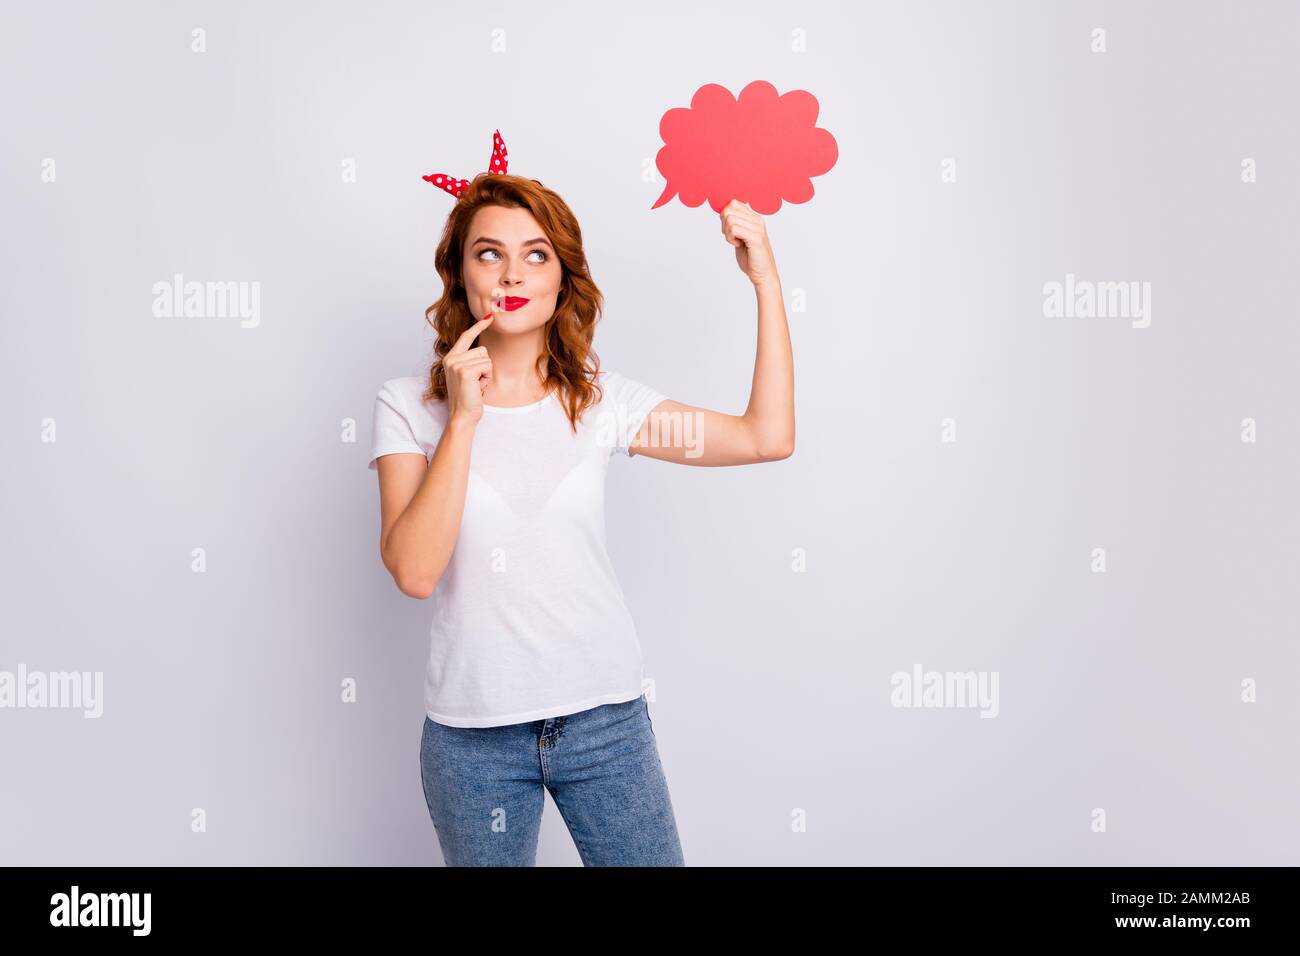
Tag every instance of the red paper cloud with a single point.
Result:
(761, 148)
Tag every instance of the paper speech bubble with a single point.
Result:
(760, 148)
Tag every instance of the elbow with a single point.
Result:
(412, 582)
(415, 586)
(772, 440)
(777, 452)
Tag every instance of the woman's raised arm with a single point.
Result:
(689, 435)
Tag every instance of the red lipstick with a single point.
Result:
(513, 302)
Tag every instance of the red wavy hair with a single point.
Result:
(567, 363)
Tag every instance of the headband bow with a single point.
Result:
(498, 164)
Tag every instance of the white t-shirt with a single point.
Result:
(529, 619)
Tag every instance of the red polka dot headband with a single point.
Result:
(498, 164)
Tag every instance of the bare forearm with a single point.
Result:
(770, 412)
(422, 539)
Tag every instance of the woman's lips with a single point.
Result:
(512, 302)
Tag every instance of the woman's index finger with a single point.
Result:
(468, 336)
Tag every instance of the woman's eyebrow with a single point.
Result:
(498, 242)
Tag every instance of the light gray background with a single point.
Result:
(924, 302)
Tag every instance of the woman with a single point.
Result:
(491, 479)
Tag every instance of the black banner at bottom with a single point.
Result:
(338, 904)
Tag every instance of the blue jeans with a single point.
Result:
(483, 787)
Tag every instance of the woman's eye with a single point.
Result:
(539, 252)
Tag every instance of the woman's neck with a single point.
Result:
(515, 378)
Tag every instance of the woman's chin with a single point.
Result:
(522, 319)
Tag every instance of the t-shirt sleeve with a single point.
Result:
(391, 431)
(632, 401)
